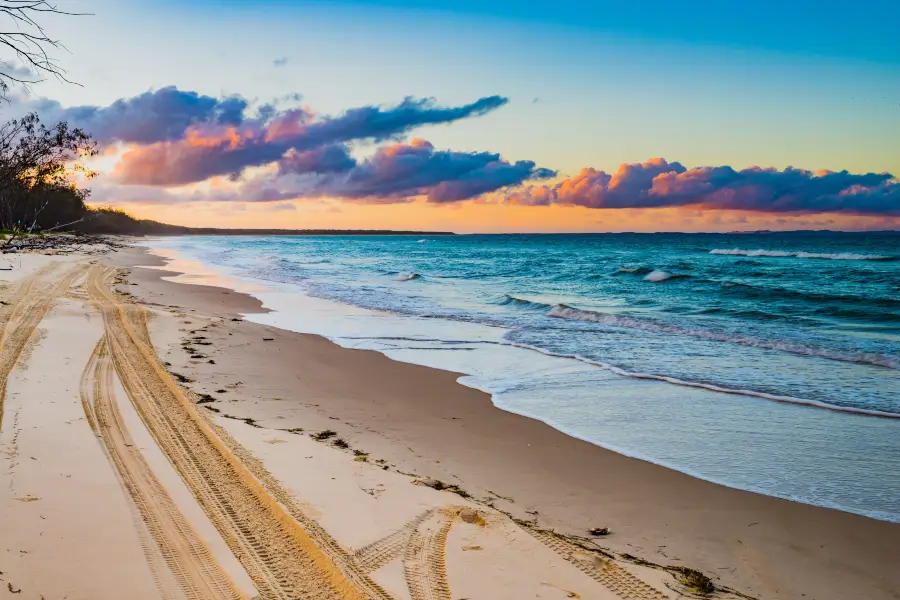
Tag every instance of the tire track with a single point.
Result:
(613, 577)
(281, 556)
(379, 553)
(182, 565)
(424, 558)
(286, 553)
(31, 299)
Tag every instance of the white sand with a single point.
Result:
(359, 503)
(77, 539)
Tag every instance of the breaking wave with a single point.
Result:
(507, 300)
(657, 276)
(406, 276)
(714, 388)
(784, 254)
(563, 311)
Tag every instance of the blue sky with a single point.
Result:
(863, 30)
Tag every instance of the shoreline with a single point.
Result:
(698, 507)
(194, 271)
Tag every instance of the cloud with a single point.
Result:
(17, 71)
(659, 183)
(155, 116)
(325, 159)
(401, 171)
(280, 62)
(207, 151)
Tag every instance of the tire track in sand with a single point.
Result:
(281, 556)
(372, 557)
(31, 298)
(424, 558)
(613, 577)
(181, 564)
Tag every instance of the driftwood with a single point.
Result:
(62, 243)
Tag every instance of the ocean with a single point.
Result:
(765, 362)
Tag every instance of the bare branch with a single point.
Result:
(27, 40)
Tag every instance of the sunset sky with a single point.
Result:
(477, 116)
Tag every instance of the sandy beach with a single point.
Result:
(154, 444)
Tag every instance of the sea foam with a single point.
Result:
(564, 311)
(784, 254)
(657, 276)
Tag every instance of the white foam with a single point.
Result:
(563, 311)
(657, 276)
(406, 276)
(784, 254)
(712, 387)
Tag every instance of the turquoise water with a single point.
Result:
(764, 362)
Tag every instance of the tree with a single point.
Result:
(27, 40)
(37, 170)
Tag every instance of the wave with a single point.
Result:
(407, 276)
(636, 270)
(652, 275)
(785, 254)
(763, 292)
(507, 300)
(564, 311)
(713, 387)
(658, 276)
(422, 241)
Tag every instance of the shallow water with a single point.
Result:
(764, 362)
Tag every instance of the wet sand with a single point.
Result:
(265, 381)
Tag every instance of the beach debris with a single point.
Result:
(599, 531)
(268, 339)
(28, 499)
(470, 515)
(248, 420)
(181, 378)
(205, 398)
(323, 435)
(437, 484)
(340, 443)
(468, 548)
(694, 580)
(13, 590)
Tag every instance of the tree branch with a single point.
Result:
(28, 41)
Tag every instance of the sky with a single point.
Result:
(485, 116)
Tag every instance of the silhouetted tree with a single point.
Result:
(37, 167)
